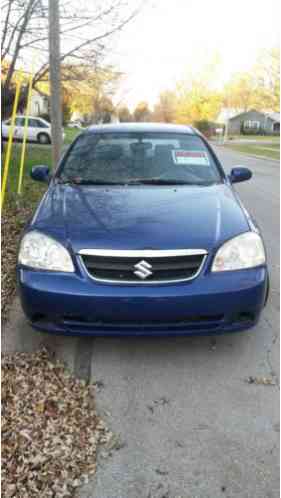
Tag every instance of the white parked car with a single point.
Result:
(38, 129)
(75, 124)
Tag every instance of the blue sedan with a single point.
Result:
(141, 232)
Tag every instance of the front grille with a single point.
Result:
(181, 321)
(85, 324)
(144, 267)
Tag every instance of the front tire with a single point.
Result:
(43, 139)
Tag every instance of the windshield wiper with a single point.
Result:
(161, 181)
(86, 182)
(137, 181)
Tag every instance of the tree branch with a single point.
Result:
(5, 30)
(26, 18)
(44, 69)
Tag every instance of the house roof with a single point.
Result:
(274, 116)
(227, 113)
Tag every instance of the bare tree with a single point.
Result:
(16, 23)
(86, 30)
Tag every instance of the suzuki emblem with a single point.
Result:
(143, 269)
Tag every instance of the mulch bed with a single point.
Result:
(50, 429)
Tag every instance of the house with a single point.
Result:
(254, 122)
(226, 113)
(39, 104)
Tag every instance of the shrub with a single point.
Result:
(208, 128)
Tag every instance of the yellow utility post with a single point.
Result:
(10, 141)
(25, 133)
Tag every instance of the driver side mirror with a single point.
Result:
(40, 173)
(240, 174)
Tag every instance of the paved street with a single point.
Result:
(187, 422)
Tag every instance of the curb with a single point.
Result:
(252, 156)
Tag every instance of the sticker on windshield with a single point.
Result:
(190, 157)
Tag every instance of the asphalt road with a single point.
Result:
(187, 423)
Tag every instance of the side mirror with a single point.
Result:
(240, 174)
(40, 173)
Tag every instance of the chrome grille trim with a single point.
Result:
(142, 254)
(145, 253)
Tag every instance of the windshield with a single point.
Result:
(139, 158)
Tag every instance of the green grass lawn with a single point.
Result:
(31, 190)
(260, 138)
(35, 155)
(70, 134)
(270, 151)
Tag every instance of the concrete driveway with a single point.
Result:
(188, 424)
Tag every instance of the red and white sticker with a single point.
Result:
(190, 157)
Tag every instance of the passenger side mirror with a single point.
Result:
(240, 174)
(40, 173)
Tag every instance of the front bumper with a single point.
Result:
(76, 304)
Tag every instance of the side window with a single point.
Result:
(19, 122)
(33, 123)
(41, 124)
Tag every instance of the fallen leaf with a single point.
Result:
(50, 429)
(266, 381)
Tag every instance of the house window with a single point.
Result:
(252, 124)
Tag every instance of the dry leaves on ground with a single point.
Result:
(50, 430)
(13, 220)
(265, 381)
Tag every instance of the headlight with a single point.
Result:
(243, 251)
(42, 252)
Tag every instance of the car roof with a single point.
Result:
(141, 127)
(30, 117)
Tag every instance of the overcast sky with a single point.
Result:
(170, 37)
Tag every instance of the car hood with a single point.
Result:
(151, 217)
